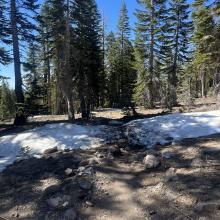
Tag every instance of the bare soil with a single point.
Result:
(185, 185)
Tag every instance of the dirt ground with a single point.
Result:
(185, 185)
(115, 185)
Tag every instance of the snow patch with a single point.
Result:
(172, 128)
(60, 135)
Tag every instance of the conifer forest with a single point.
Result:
(109, 109)
(66, 62)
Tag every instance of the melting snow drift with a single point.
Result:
(61, 135)
(145, 132)
(173, 127)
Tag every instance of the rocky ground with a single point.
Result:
(116, 182)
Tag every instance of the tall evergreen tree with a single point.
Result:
(7, 100)
(4, 33)
(202, 37)
(112, 74)
(149, 27)
(125, 69)
(179, 30)
(87, 62)
(22, 15)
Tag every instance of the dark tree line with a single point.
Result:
(71, 64)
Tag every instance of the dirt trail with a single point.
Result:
(119, 197)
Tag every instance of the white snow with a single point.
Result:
(173, 127)
(145, 132)
(60, 135)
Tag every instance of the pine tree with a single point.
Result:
(4, 34)
(22, 26)
(45, 41)
(178, 33)
(87, 48)
(34, 82)
(125, 71)
(202, 37)
(141, 91)
(112, 75)
(7, 100)
(150, 27)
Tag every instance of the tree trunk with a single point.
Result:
(20, 115)
(67, 80)
(202, 80)
(58, 97)
(175, 66)
(151, 59)
(70, 107)
(83, 107)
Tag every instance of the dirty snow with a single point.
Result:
(145, 132)
(61, 135)
(172, 128)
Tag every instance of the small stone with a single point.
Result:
(197, 162)
(151, 161)
(89, 171)
(68, 171)
(99, 154)
(54, 202)
(88, 203)
(81, 169)
(51, 150)
(115, 151)
(85, 185)
(15, 215)
(59, 202)
(70, 214)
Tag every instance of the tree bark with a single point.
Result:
(175, 65)
(20, 117)
(151, 59)
(67, 81)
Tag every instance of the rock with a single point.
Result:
(100, 154)
(170, 174)
(85, 171)
(115, 151)
(84, 184)
(150, 161)
(51, 150)
(80, 169)
(70, 214)
(197, 162)
(54, 202)
(59, 202)
(15, 215)
(68, 171)
(88, 203)
(88, 171)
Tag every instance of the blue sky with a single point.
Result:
(110, 8)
